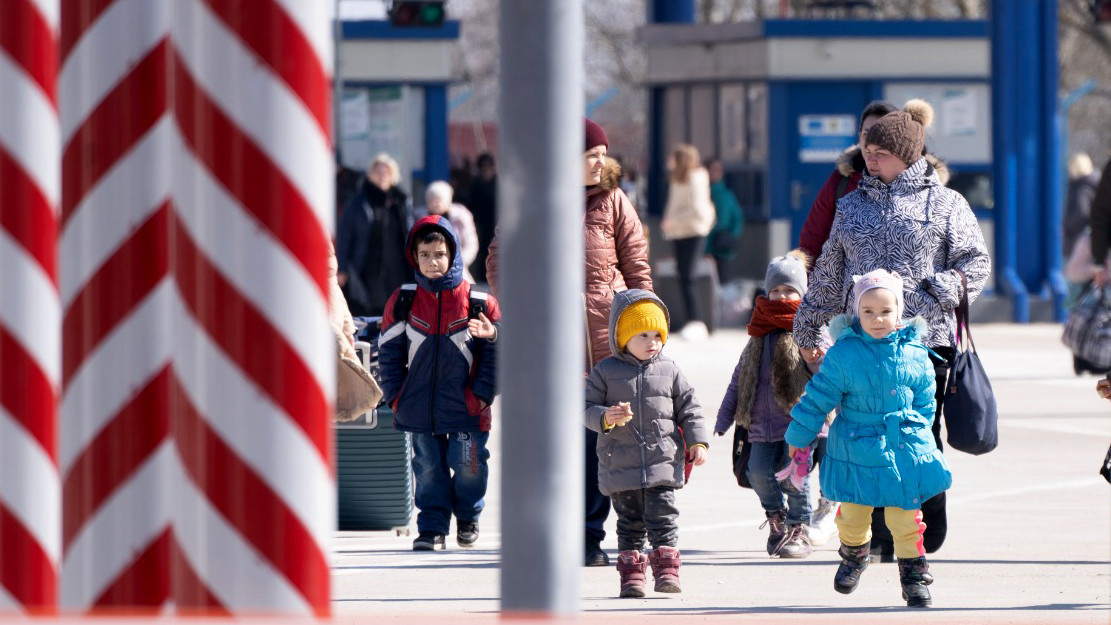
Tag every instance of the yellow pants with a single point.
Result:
(854, 524)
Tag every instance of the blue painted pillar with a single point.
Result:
(1006, 72)
(1026, 141)
(435, 133)
(672, 12)
(661, 12)
(1051, 142)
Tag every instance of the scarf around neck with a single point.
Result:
(769, 316)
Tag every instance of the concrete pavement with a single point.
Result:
(1029, 524)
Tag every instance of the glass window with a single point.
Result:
(703, 119)
(732, 135)
(758, 123)
(675, 116)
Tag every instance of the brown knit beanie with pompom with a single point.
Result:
(903, 133)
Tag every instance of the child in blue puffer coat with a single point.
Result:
(880, 451)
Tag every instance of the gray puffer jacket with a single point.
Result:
(648, 451)
(915, 227)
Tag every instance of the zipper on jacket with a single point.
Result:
(435, 361)
(640, 422)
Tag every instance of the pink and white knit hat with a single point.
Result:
(878, 279)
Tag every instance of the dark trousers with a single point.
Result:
(646, 512)
(722, 265)
(933, 509)
(597, 505)
(687, 253)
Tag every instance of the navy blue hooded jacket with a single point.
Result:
(433, 372)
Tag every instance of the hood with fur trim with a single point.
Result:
(846, 325)
(851, 161)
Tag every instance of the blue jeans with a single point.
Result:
(766, 459)
(451, 472)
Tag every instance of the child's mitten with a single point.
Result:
(792, 478)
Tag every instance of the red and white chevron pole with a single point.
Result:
(116, 455)
(30, 502)
(255, 357)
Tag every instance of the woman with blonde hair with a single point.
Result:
(688, 218)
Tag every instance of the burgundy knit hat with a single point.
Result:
(595, 136)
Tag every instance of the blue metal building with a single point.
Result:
(395, 83)
(777, 100)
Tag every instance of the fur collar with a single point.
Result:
(851, 161)
(845, 325)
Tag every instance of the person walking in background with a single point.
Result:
(439, 369)
(438, 201)
(767, 382)
(901, 219)
(483, 197)
(721, 244)
(616, 258)
(370, 239)
(845, 178)
(1099, 222)
(880, 451)
(643, 410)
(687, 220)
(1083, 181)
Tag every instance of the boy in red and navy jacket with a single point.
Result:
(438, 367)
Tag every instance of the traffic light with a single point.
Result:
(417, 14)
(1101, 11)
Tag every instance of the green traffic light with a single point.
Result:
(432, 14)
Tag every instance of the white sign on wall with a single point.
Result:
(961, 132)
(822, 138)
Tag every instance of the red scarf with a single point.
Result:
(769, 316)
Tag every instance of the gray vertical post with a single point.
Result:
(541, 350)
(337, 86)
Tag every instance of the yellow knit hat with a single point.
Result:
(641, 316)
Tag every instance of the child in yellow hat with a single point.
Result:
(649, 424)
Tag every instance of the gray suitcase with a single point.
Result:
(374, 469)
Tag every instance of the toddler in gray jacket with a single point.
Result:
(649, 425)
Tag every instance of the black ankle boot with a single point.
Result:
(853, 562)
(913, 574)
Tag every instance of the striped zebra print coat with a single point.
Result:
(915, 227)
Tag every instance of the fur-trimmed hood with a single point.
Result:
(846, 325)
(851, 161)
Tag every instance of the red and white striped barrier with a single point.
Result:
(255, 358)
(30, 515)
(199, 366)
(116, 454)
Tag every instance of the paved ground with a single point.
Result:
(1029, 538)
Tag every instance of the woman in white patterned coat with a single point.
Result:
(902, 219)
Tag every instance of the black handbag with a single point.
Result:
(971, 418)
(741, 452)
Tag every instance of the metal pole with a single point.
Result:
(540, 199)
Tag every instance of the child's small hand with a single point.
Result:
(482, 328)
(697, 455)
(812, 354)
(791, 449)
(620, 414)
(1103, 387)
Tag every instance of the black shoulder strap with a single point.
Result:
(842, 188)
(404, 302)
(477, 304)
